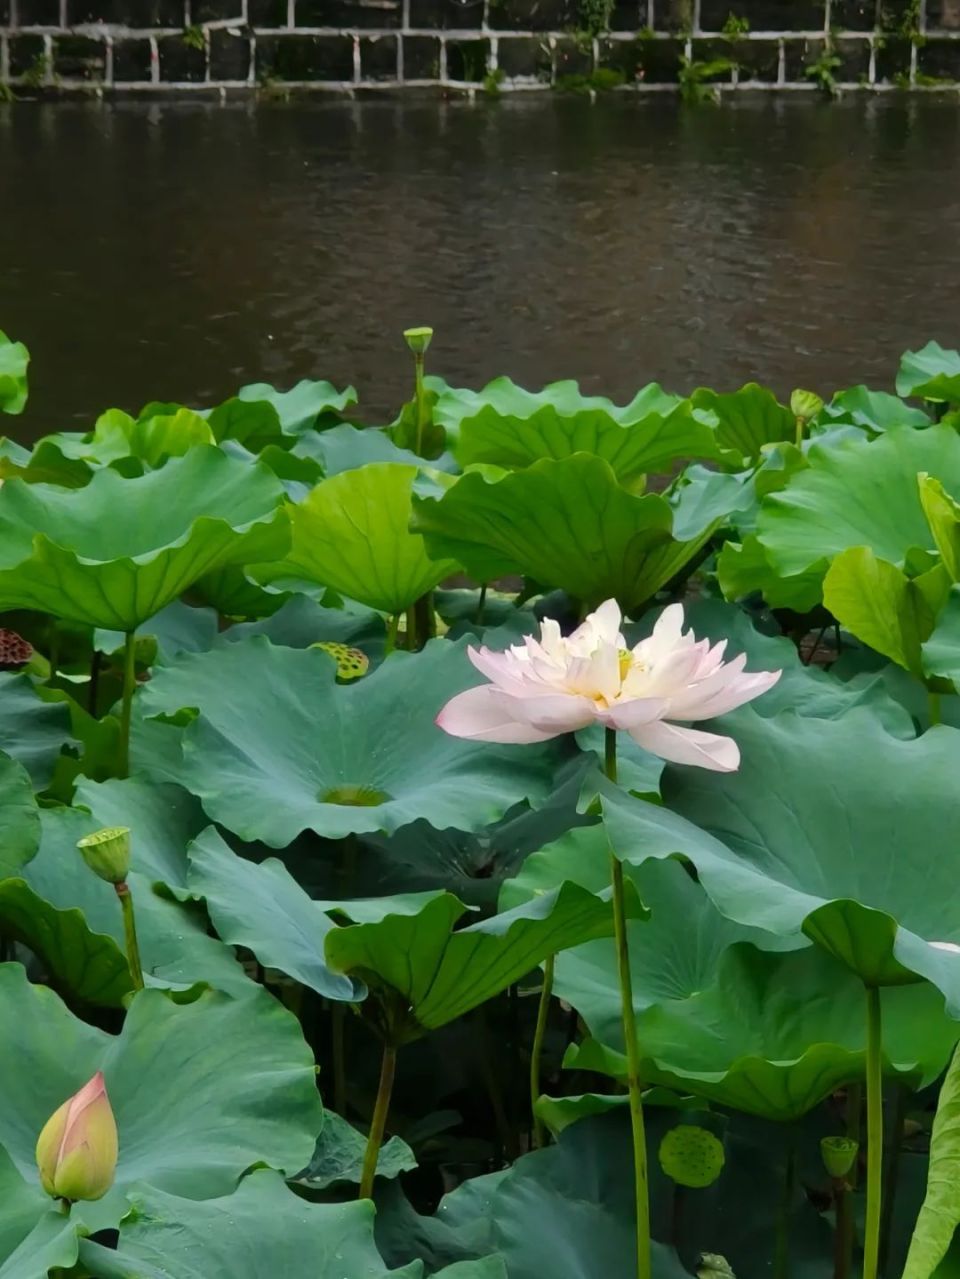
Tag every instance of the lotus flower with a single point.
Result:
(543, 688)
(77, 1149)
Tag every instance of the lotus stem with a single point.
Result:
(130, 933)
(481, 606)
(421, 398)
(799, 436)
(842, 1228)
(933, 707)
(411, 643)
(641, 1193)
(393, 627)
(129, 684)
(388, 1069)
(854, 1105)
(536, 1053)
(871, 1236)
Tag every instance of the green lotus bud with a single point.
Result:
(418, 339)
(805, 405)
(351, 662)
(107, 853)
(838, 1154)
(691, 1156)
(77, 1149)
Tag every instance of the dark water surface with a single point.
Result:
(178, 251)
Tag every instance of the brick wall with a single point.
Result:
(230, 46)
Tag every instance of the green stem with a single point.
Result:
(129, 684)
(536, 1053)
(841, 1228)
(388, 1068)
(641, 1193)
(65, 1206)
(426, 619)
(799, 437)
(421, 401)
(871, 1234)
(933, 707)
(130, 934)
(411, 629)
(482, 605)
(393, 628)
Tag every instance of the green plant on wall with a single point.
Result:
(735, 26)
(38, 71)
(594, 16)
(696, 78)
(823, 70)
(193, 38)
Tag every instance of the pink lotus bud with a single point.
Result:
(77, 1149)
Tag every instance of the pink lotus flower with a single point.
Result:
(543, 688)
(77, 1149)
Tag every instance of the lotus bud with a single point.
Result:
(805, 405)
(107, 853)
(77, 1149)
(838, 1154)
(418, 339)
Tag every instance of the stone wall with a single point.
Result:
(362, 46)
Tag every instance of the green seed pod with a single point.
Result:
(805, 405)
(351, 662)
(838, 1155)
(418, 339)
(107, 853)
(712, 1266)
(691, 1156)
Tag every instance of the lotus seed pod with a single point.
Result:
(107, 853)
(418, 339)
(691, 1156)
(712, 1266)
(805, 405)
(351, 662)
(838, 1154)
(77, 1149)
(15, 651)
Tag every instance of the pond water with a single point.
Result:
(177, 251)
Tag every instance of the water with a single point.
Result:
(177, 251)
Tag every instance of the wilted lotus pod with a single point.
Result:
(418, 339)
(838, 1155)
(351, 662)
(77, 1149)
(14, 650)
(107, 853)
(805, 405)
(691, 1156)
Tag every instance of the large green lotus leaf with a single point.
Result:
(569, 524)
(747, 420)
(14, 358)
(337, 759)
(771, 1035)
(344, 448)
(114, 553)
(875, 411)
(876, 601)
(201, 1091)
(35, 1236)
(253, 423)
(931, 373)
(338, 1158)
(941, 652)
(32, 731)
(940, 1213)
(442, 971)
(858, 492)
(650, 444)
(743, 568)
(261, 1230)
(790, 844)
(303, 407)
(73, 921)
(19, 818)
(351, 533)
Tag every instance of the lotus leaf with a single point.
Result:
(930, 373)
(747, 420)
(875, 411)
(306, 406)
(32, 730)
(14, 358)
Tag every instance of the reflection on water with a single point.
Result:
(178, 251)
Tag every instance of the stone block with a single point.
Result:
(714, 50)
(216, 11)
(572, 58)
(180, 62)
(535, 15)
(674, 16)
(624, 56)
(229, 55)
(764, 15)
(267, 13)
(660, 61)
(349, 13)
(305, 57)
(854, 58)
(446, 15)
(893, 59)
(758, 60)
(943, 15)
(26, 54)
(378, 57)
(800, 54)
(421, 58)
(853, 15)
(525, 57)
(467, 60)
(131, 60)
(628, 15)
(938, 60)
(79, 58)
(38, 13)
(139, 14)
